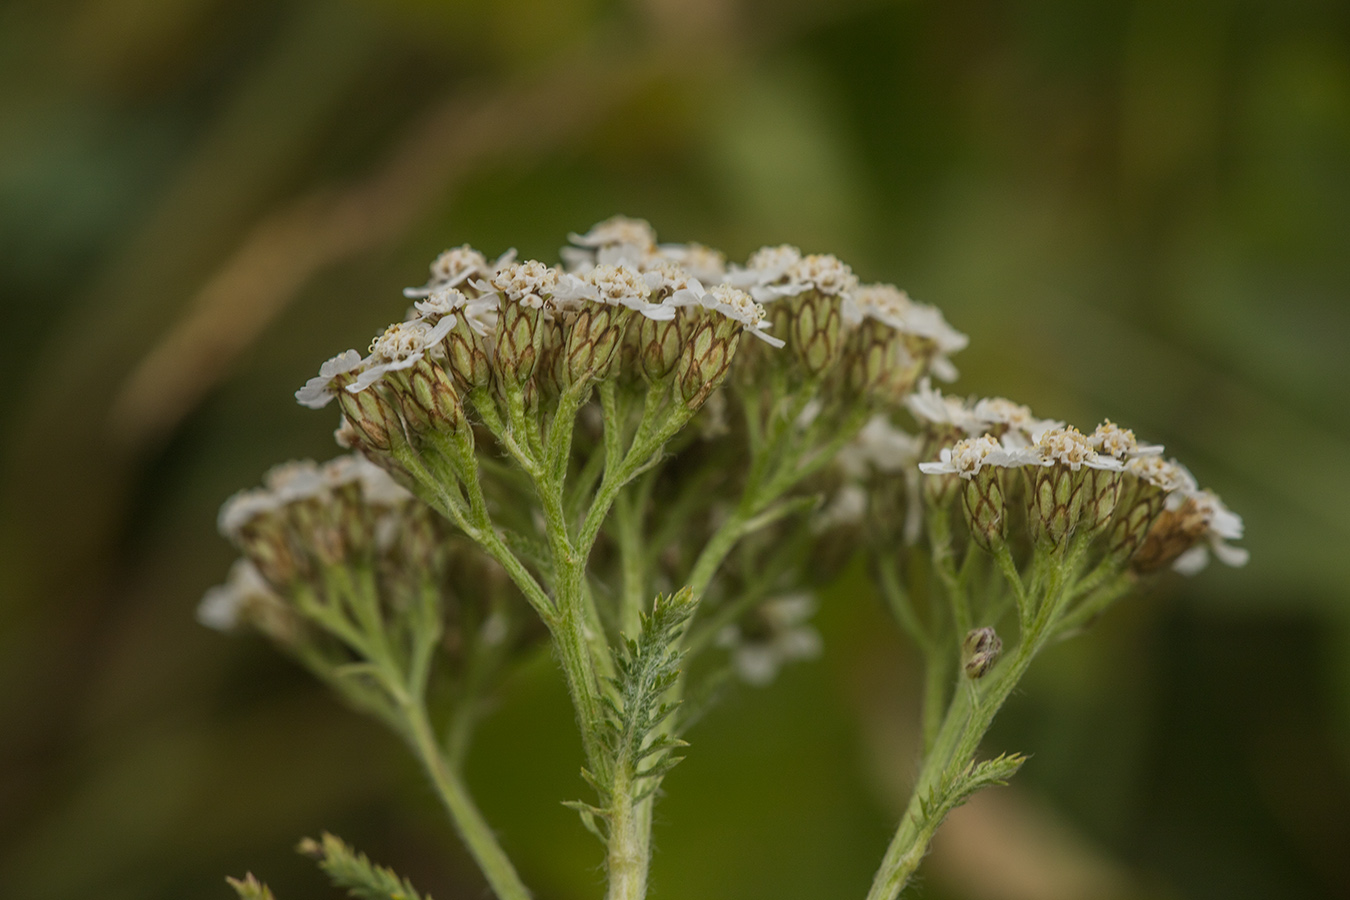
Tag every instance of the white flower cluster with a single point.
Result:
(1006, 435)
(771, 273)
(298, 481)
(888, 304)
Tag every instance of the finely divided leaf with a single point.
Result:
(354, 872)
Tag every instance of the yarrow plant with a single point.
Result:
(650, 458)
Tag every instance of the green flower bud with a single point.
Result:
(982, 500)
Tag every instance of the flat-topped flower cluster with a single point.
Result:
(580, 449)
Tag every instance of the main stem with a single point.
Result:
(630, 832)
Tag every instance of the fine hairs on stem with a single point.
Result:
(650, 460)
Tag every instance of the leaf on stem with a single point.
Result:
(250, 888)
(354, 872)
(638, 752)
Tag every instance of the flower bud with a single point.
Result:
(429, 399)
(982, 500)
(979, 651)
(816, 330)
(519, 338)
(593, 341)
(1172, 533)
(659, 344)
(467, 356)
(706, 358)
(372, 416)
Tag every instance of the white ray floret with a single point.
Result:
(318, 392)
(222, 606)
(1222, 525)
(736, 304)
(966, 457)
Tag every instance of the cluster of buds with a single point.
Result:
(315, 536)
(1149, 510)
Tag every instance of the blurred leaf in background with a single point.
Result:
(1137, 210)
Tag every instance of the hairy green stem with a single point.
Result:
(468, 820)
(968, 718)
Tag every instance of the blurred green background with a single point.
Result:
(1138, 210)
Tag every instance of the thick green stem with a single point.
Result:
(629, 853)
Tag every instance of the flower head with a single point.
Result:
(401, 346)
(318, 391)
(1168, 475)
(458, 266)
(968, 456)
(226, 606)
(527, 283)
(1069, 447)
(737, 305)
(888, 304)
(776, 633)
(617, 239)
(1220, 526)
(765, 274)
(447, 302)
(704, 263)
(1119, 443)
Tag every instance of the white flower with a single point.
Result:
(1168, 475)
(1111, 439)
(377, 488)
(1222, 525)
(223, 606)
(968, 456)
(457, 266)
(764, 273)
(888, 304)
(617, 230)
(1021, 426)
(847, 507)
(242, 508)
(757, 658)
(317, 392)
(480, 312)
(704, 263)
(736, 304)
(928, 405)
(401, 346)
(525, 283)
(293, 481)
(673, 285)
(881, 446)
(824, 273)
(623, 285)
(617, 240)
(1069, 447)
